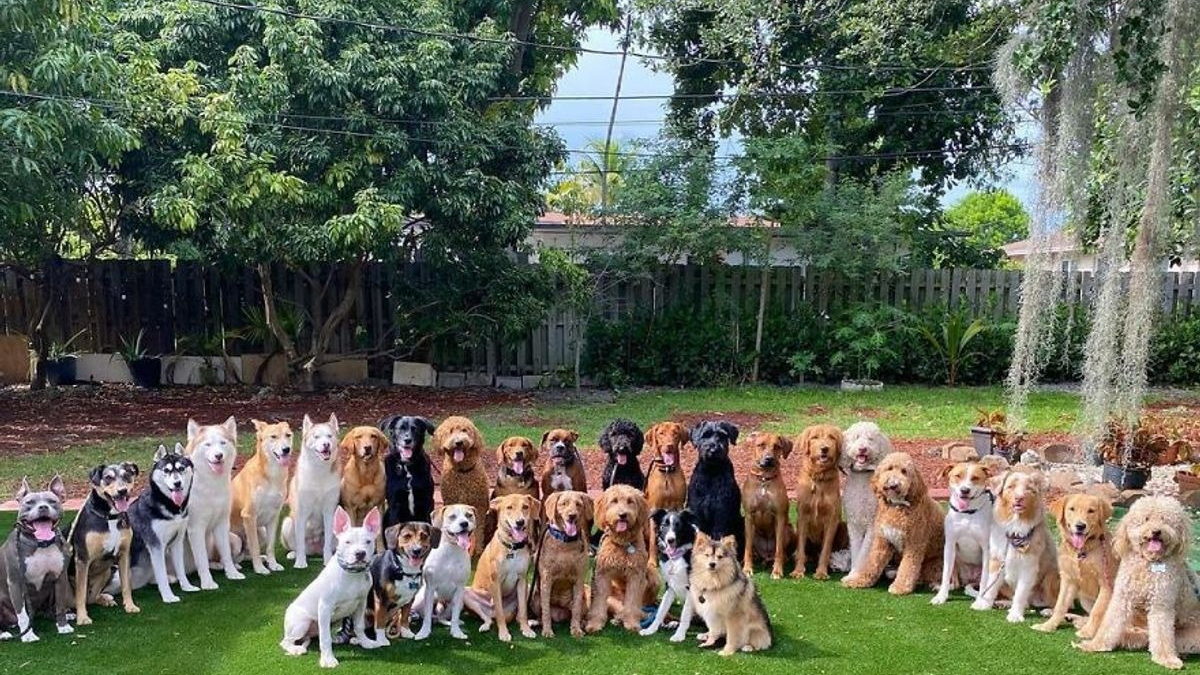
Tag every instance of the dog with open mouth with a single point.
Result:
(408, 470)
(968, 527)
(818, 498)
(666, 484)
(713, 493)
(1087, 565)
(864, 446)
(500, 587)
(314, 492)
(565, 469)
(446, 570)
(33, 564)
(364, 481)
(675, 535)
(213, 450)
(516, 459)
(560, 591)
(622, 442)
(464, 477)
(259, 491)
(396, 576)
(159, 517)
(623, 582)
(100, 538)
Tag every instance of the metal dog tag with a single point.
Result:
(1158, 567)
(631, 549)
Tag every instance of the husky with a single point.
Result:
(212, 449)
(160, 518)
(675, 536)
(314, 492)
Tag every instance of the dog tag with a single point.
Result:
(414, 585)
(510, 555)
(1158, 567)
(631, 549)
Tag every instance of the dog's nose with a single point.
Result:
(1156, 533)
(964, 491)
(218, 455)
(285, 450)
(712, 565)
(572, 518)
(559, 446)
(458, 443)
(1080, 527)
(623, 516)
(360, 555)
(520, 523)
(519, 456)
(418, 551)
(123, 492)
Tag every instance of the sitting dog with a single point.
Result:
(159, 518)
(314, 493)
(562, 561)
(212, 449)
(565, 469)
(500, 584)
(1020, 554)
(339, 592)
(726, 598)
(447, 569)
(1087, 565)
(863, 447)
(409, 478)
(968, 527)
(1152, 543)
(515, 459)
(464, 479)
(101, 536)
(675, 535)
(259, 490)
(396, 576)
(907, 522)
(765, 502)
(818, 497)
(713, 493)
(33, 564)
(621, 573)
(364, 484)
(622, 442)
(666, 486)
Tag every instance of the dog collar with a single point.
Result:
(526, 476)
(1081, 554)
(514, 545)
(561, 535)
(1021, 541)
(666, 468)
(110, 516)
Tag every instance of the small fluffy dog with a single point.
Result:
(464, 479)
(968, 526)
(1152, 543)
(1087, 566)
(159, 518)
(339, 592)
(101, 536)
(1020, 553)
(515, 459)
(396, 576)
(562, 561)
(726, 598)
(675, 536)
(500, 584)
(765, 502)
(622, 442)
(33, 564)
(666, 486)
(863, 447)
(447, 569)
(364, 483)
(314, 493)
(409, 476)
(907, 522)
(713, 493)
(212, 449)
(565, 469)
(621, 560)
(259, 490)
(818, 497)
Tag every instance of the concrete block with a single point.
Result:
(414, 374)
(101, 368)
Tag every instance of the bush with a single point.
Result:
(1175, 353)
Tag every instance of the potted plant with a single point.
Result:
(60, 361)
(144, 369)
(1128, 454)
(202, 359)
(865, 347)
(991, 435)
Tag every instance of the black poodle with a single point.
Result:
(622, 441)
(713, 493)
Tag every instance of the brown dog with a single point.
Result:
(364, 483)
(562, 562)
(765, 504)
(464, 479)
(1087, 565)
(818, 496)
(666, 486)
(907, 522)
(500, 579)
(515, 459)
(621, 574)
(564, 471)
(259, 491)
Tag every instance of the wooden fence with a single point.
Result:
(112, 299)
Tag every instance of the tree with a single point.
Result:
(972, 232)
(581, 193)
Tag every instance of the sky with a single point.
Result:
(596, 74)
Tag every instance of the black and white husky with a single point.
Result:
(675, 532)
(159, 518)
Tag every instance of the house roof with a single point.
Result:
(551, 219)
(1060, 242)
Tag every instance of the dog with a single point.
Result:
(565, 470)
(1087, 565)
(101, 536)
(212, 449)
(409, 476)
(1152, 543)
(447, 569)
(259, 491)
(159, 517)
(907, 522)
(863, 447)
(713, 493)
(396, 576)
(364, 483)
(621, 572)
(314, 492)
(666, 486)
(515, 461)
(464, 479)
(33, 564)
(726, 599)
(1020, 554)
(562, 561)
(675, 536)
(500, 583)
(765, 502)
(339, 592)
(967, 528)
(818, 497)
(622, 442)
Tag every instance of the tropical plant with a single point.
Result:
(952, 339)
(863, 342)
(62, 350)
(132, 349)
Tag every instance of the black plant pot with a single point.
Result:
(146, 373)
(60, 371)
(1126, 478)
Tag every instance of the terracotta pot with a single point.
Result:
(1187, 481)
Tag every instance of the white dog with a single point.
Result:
(863, 447)
(968, 526)
(339, 592)
(314, 493)
(212, 449)
(447, 569)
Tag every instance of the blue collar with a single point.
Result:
(560, 535)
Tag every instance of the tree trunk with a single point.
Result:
(763, 296)
(37, 328)
(286, 343)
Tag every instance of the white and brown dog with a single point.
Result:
(1021, 554)
(315, 490)
(212, 449)
(968, 527)
(447, 569)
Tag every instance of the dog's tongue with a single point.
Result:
(284, 460)
(121, 504)
(518, 466)
(622, 525)
(518, 536)
(668, 458)
(405, 453)
(177, 496)
(571, 529)
(1154, 545)
(1078, 540)
(621, 459)
(670, 551)
(464, 540)
(458, 455)
(217, 467)
(414, 560)
(43, 530)
(959, 501)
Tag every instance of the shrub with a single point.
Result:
(1175, 353)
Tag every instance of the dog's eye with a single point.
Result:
(1091, 511)
(903, 472)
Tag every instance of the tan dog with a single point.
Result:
(621, 574)
(818, 497)
(565, 470)
(259, 491)
(515, 461)
(908, 522)
(765, 504)
(666, 485)
(500, 578)
(464, 479)
(364, 482)
(726, 599)
(561, 592)
(1087, 565)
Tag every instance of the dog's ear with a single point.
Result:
(384, 442)
(391, 536)
(639, 440)
(1058, 508)
(160, 452)
(333, 423)
(532, 454)
(476, 437)
(572, 436)
(179, 449)
(341, 521)
(57, 487)
(551, 507)
(374, 521)
(839, 440)
(656, 516)
(545, 437)
(257, 424)
(435, 536)
(687, 517)
(23, 490)
(494, 505)
(192, 429)
(730, 429)
(97, 474)
(131, 469)
(601, 518)
(729, 542)
(435, 518)
(230, 427)
(702, 538)
(589, 512)
(306, 425)
(346, 446)
(643, 510)
(387, 423)
(603, 441)
(1121, 539)
(1106, 511)
(944, 472)
(785, 446)
(425, 425)
(535, 508)
(917, 489)
(500, 456)
(803, 439)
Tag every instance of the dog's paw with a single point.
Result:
(188, 588)
(377, 643)
(594, 626)
(821, 575)
(577, 632)
(209, 585)
(1044, 627)
(406, 634)
(1085, 634)
(528, 633)
(295, 650)
(30, 636)
(727, 650)
(301, 564)
(329, 661)
(702, 637)
(65, 629)
(505, 636)
(940, 599)
(83, 620)
(1170, 661)
(5, 636)
(261, 570)
(274, 566)
(1089, 646)
(105, 600)
(981, 605)
(548, 632)
(646, 632)
(776, 574)
(131, 608)
(678, 637)
(485, 626)
(748, 570)
(458, 634)
(170, 599)
(852, 581)
(421, 635)
(1014, 616)
(236, 576)
(798, 573)
(897, 589)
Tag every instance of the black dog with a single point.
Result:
(409, 480)
(622, 441)
(713, 493)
